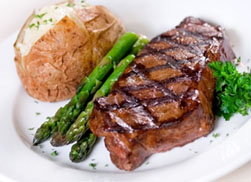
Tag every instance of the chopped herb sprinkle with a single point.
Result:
(227, 134)
(93, 160)
(50, 20)
(31, 128)
(38, 113)
(37, 25)
(31, 25)
(54, 153)
(36, 101)
(93, 165)
(106, 165)
(70, 5)
(40, 16)
(147, 163)
(215, 135)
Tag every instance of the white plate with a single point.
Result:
(203, 160)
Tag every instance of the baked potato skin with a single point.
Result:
(57, 62)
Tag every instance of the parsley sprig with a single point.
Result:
(233, 90)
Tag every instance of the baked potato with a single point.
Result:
(60, 44)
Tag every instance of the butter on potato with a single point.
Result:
(60, 44)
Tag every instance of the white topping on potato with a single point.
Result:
(44, 19)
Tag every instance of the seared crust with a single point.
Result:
(164, 98)
(66, 53)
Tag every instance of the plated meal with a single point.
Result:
(144, 97)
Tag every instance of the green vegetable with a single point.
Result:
(139, 45)
(233, 90)
(70, 5)
(82, 148)
(46, 129)
(79, 127)
(40, 15)
(31, 25)
(37, 25)
(54, 153)
(91, 84)
(216, 135)
(81, 124)
(93, 165)
(67, 114)
(37, 113)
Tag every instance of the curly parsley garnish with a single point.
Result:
(233, 90)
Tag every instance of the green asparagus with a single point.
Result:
(66, 115)
(139, 45)
(79, 127)
(82, 148)
(47, 128)
(92, 83)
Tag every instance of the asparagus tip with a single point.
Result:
(35, 141)
(58, 140)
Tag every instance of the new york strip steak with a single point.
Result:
(164, 98)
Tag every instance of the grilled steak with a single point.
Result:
(164, 98)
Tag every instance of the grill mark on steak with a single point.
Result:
(132, 104)
(163, 82)
(169, 95)
(146, 113)
(139, 69)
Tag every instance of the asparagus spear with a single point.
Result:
(82, 148)
(66, 115)
(79, 127)
(139, 45)
(91, 85)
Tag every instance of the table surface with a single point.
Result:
(10, 22)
